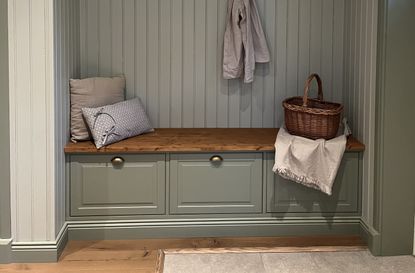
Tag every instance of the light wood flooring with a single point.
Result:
(141, 256)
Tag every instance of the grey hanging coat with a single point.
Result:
(244, 41)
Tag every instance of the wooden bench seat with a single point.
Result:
(196, 140)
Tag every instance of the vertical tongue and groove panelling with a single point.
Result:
(171, 54)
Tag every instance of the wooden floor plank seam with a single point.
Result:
(160, 261)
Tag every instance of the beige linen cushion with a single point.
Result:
(92, 92)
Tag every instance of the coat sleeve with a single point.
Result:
(233, 54)
(255, 45)
(258, 37)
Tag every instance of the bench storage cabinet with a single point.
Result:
(202, 182)
(117, 184)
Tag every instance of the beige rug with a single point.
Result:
(304, 262)
(281, 260)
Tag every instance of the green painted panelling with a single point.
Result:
(198, 185)
(284, 196)
(67, 66)
(395, 124)
(100, 188)
(4, 125)
(171, 55)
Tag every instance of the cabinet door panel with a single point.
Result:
(284, 196)
(100, 188)
(233, 185)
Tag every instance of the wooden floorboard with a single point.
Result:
(144, 256)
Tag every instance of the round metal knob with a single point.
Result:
(117, 161)
(216, 159)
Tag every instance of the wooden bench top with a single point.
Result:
(196, 140)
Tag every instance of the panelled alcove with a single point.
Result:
(171, 54)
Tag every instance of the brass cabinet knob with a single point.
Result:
(117, 161)
(216, 159)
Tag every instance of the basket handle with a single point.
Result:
(307, 88)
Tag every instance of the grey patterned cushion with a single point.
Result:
(112, 123)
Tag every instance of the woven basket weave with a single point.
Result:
(312, 118)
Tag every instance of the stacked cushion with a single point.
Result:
(112, 123)
(92, 92)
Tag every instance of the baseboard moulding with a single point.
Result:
(371, 237)
(21, 252)
(34, 252)
(125, 230)
(5, 250)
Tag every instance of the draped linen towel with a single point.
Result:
(312, 163)
(244, 41)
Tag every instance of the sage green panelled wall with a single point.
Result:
(171, 51)
(5, 230)
(360, 86)
(67, 65)
(395, 180)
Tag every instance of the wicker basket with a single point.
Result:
(312, 118)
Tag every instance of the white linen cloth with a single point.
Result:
(312, 163)
(244, 41)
